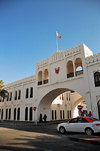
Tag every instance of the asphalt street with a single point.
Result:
(44, 137)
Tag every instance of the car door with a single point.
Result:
(72, 125)
(81, 124)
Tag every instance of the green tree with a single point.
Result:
(3, 92)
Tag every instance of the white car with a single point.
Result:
(87, 125)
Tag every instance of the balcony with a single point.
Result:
(39, 82)
(45, 81)
(97, 84)
(69, 75)
(77, 73)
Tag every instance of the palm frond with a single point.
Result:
(3, 93)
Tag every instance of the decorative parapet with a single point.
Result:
(43, 62)
(60, 55)
(92, 59)
(21, 82)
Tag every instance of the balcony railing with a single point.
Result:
(69, 75)
(77, 73)
(97, 84)
(39, 82)
(45, 81)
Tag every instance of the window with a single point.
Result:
(19, 94)
(26, 113)
(14, 113)
(31, 113)
(55, 114)
(10, 96)
(61, 114)
(69, 114)
(52, 115)
(15, 95)
(78, 67)
(2, 114)
(46, 75)
(18, 114)
(6, 114)
(82, 120)
(9, 114)
(40, 78)
(97, 79)
(31, 92)
(70, 69)
(74, 120)
(27, 90)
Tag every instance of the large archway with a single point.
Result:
(60, 111)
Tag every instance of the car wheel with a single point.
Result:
(89, 131)
(62, 130)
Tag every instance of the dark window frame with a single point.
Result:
(97, 79)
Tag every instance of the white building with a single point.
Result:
(75, 71)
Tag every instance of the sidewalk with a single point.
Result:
(87, 139)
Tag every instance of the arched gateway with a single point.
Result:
(73, 70)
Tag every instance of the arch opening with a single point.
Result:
(78, 66)
(70, 69)
(61, 104)
(40, 78)
(46, 76)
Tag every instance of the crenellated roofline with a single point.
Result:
(60, 55)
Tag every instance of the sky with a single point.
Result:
(28, 32)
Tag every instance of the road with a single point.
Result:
(39, 138)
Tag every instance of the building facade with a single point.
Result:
(74, 72)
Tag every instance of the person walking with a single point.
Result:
(40, 118)
(45, 117)
(90, 114)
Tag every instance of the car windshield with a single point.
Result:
(93, 119)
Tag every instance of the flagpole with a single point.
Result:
(57, 40)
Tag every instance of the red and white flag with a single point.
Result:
(58, 35)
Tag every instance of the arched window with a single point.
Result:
(2, 114)
(78, 66)
(98, 104)
(18, 114)
(52, 115)
(27, 92)
(97, 79)
(9, 113)
(63, 114)
(46, 76)
(40, 78)
(6, 114)
(26, 113)
(31, 114)
(70, 69)
(55, 114)
(15, 95)
(14, 113)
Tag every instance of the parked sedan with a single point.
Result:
(80, 124)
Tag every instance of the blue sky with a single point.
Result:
(28, 32)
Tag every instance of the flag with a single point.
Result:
(58, 35)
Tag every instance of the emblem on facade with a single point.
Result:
(57, 70)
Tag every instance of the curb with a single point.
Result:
(84, 140)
